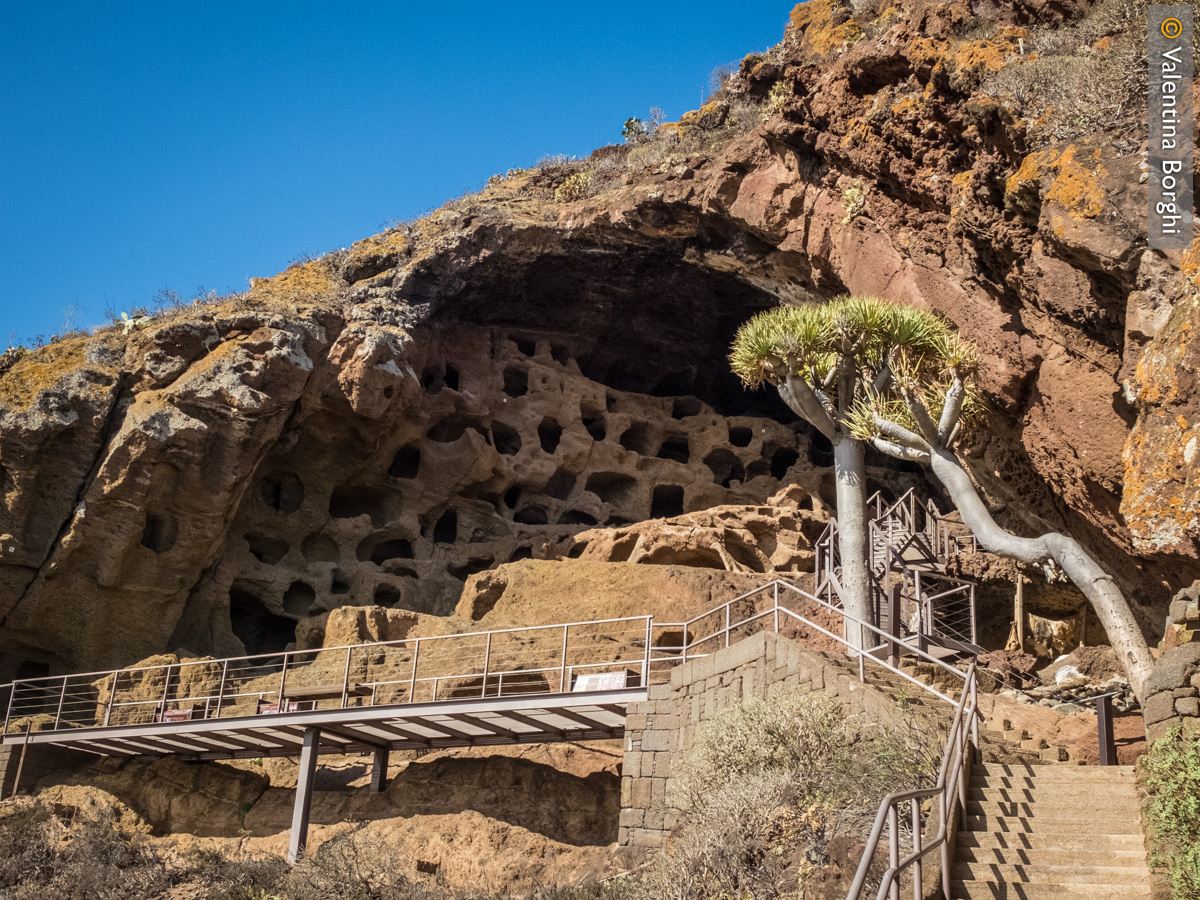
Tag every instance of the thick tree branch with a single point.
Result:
(797, 394)
(900, 452)
(951, 411)
(901, 435)
(920, 414)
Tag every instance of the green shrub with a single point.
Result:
(1173, 780)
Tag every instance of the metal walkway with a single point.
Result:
(538, 684)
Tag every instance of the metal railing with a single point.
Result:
(509, 662)
(948, 798)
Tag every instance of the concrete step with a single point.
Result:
(1054, 795)
(1019, 856)
(1048, 808)
(1077, 824)
(1098, 773)
(1065, 842)
(1136, 874)
(992, 890)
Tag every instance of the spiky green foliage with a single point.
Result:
(887, 348)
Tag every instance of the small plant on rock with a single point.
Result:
(854, 199)
(1173, 780)
(575, 187)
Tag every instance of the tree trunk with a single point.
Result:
(1106, 598)
(849, 466)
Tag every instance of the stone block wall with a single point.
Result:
(660, 729)
(1173, 691)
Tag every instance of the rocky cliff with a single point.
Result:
(386, 424)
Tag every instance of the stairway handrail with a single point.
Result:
(950, 783)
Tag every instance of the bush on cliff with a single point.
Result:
(1172, 770)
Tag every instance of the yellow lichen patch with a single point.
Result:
(991, 55)
(387, 246)
(41, 369)
(304, 283)
(825, 28)
(1076, 188)
(1190, 262)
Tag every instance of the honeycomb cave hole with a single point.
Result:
(595, 425)
(740, 436)
(433, 379)
(388, 595)
(445, 531)
(506, 439)
(726, 467)
(283, 493)
(549, 434)
(560, 485)
(781, 461)
(577, 517)
(319, 548)
(159, 533)
(350, 502)
(675, 448)
(613, 488)
(527, 346)
(266, 549)
(511, 496)
(820, 450)
(339, 583)
(452, 428)
(472, 566)
(637, 438)
(560, 354)
(406, 463)
(298, 599)
(666, 502)
(686, 407)
(516, 382)
(259, 629)
(521, 553)
(381, 551)
(531, 515)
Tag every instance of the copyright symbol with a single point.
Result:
(1171, 28)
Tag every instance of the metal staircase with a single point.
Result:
(912, 596)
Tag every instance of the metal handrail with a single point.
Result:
(950, 784)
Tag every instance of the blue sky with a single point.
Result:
(150, 146)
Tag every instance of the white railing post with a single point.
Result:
(726, 624)
(279, 708)
(412, 685)
(62, 696)
(646, 661)
(487, 661)
(562, 678)
(220, 690)
(918, 894)
(345, 679)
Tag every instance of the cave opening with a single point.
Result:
(473, 566)
(577, 517)
(726, 467)
(380, 551)
(615, 488)
(511, 496)
(298, 599)
(666, 502)
(676, 448)
(595, 425)
(532, 515)
(159, 533)
(339, 583)
(820, 450)
(560, 485)
(352, 501)
(740, 436)
(637, 438)
(319, 548)
(283, 493)
(406, 463)
(516, 382)
(387, 595)
(549, 434)
(445, 531)
(506, 439)
(782, 460)
(527, 346)
(266, 549)
(259, 629)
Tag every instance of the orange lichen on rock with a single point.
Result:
(1076, 188)
(41, 369)
(826, 27)
(299, 284)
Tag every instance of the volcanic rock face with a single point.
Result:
(378, 427)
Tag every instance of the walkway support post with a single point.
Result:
(1104, 731)
(304, 786)
(379, 770)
